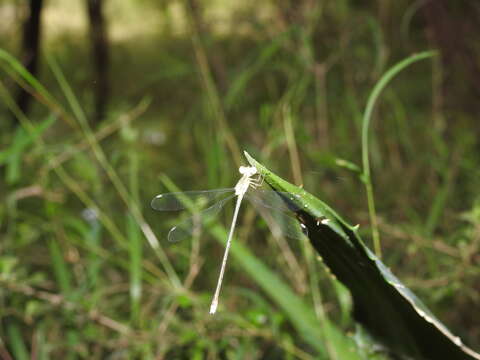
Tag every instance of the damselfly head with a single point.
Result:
(247, 170)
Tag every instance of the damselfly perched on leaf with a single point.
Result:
(247, 187)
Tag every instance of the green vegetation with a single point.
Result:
(85, 268)
(382, 303)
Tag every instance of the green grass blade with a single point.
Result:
(135, 243)
(135, 269)
(60, 268)
(13, 156)
(93, 237)
(8, 62)
(15, 338)
(367, 117)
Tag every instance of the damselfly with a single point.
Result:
(277, 203)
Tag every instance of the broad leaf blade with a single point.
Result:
(382, 304)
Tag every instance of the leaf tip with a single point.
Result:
(251, 160)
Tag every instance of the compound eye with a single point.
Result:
(252, 170)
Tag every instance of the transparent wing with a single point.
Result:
(275, 200)
(181, 200)
(281, 224)
(276, 209)
(187, 227)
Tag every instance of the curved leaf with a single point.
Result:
(382, 304)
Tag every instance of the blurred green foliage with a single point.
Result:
(85, 269)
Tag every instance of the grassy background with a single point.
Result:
(82, 274)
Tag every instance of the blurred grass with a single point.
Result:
(83, 274)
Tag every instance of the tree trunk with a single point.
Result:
(30, 49)
(100, 54)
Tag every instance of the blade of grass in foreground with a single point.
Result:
(15, 339)
(383, 305)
